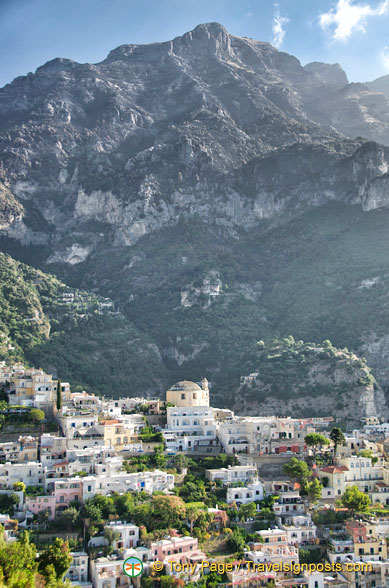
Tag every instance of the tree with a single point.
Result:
(8, 503)
(159, 458)
(36, 415)
(105, 504)
(181, 461)
(356, 501)
(337, 438)
(314, 490)
(236, 541)
(248, 511)
(111, 535)
(59, 395)
(192, 514)
(17, 562)
(296, 470)
(316, 440)
(167, 511)
(124, 504)
(19, 487)
(91, 511)
(193, 491)
(58, 556)
(69, 518)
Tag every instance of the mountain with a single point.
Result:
(380, 85)
(215, 189)
(284, 376)
(75, 334)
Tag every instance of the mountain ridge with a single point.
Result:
(217, 190)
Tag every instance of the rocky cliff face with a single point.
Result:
(215, 188)
(177, 128)
(296, 378)
(380, 85)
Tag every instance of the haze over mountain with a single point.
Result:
(217, 190)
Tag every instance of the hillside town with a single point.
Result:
(199, 495)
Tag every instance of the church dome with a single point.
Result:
(186, 386)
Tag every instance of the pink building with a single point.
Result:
(160, 550)
(66, 491)
(37, 504)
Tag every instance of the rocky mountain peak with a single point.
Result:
(208, 38)
(329, 74)
(56, 65)
(380, 85)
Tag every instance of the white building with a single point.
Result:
(128, 535)
(78, 569)
(241, 473)
(53, 449)
(301, 530)
(77, 422)
(263, 435)
(122, 482)
(245, 494)
(288, 505)
(32, 473)
(189, 427)
(274, 549)
(107, 572)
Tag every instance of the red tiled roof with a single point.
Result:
(110, 422)
(334, 469)
(382, 484)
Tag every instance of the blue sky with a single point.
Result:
(351, 32)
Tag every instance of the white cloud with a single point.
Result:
(384, 55)
(347, 17)
(278, 27)
(249, 14)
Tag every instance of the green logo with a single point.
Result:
(133, 567)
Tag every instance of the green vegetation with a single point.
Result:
(20, 567)
(314, 490)
(297, 470)
(59, 395)
(356, 501)
(337, 438)
(8, 502)
(322, 276)
(289, 369)
(74, 336)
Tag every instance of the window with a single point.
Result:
(182, 396)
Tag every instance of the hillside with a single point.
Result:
(217, 191)
(289, 377)
(72, 333)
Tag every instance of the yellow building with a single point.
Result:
(117, 435)
(187, 394)
(367, 544)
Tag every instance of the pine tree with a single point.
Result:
(59, 395)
